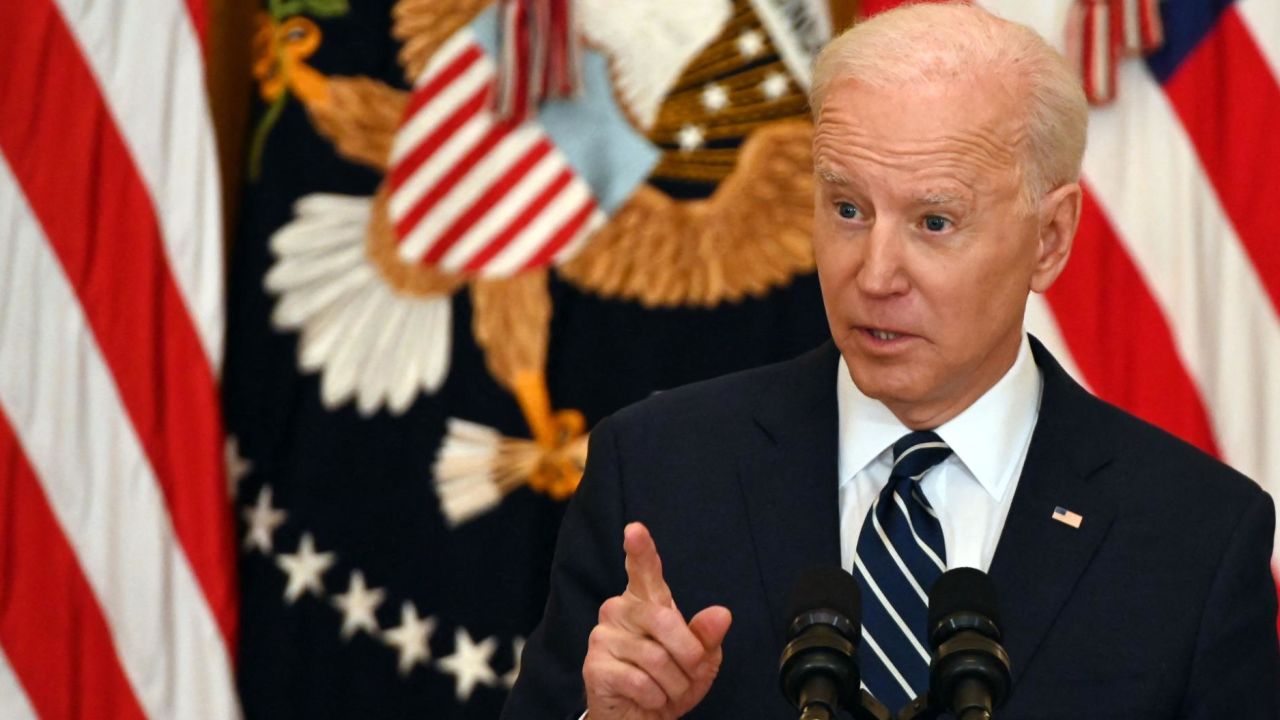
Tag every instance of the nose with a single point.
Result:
(882, 273)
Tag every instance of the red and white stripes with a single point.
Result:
(152, 84)
(475, 193)
(1262, 17)
(12, 697)
(1167, 209)
(117, 584)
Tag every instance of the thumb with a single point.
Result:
(710, 626)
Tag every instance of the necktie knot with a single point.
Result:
(918, 452)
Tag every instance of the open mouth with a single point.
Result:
(884, 335)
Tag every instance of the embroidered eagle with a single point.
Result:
(701, 99)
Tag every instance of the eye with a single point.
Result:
(848, 211)
(936, 223)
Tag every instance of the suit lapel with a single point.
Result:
(788, 477)
(1039, 559)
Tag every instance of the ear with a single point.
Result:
(1058, 218)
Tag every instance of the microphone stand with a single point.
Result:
(869, 708)
(920, 709)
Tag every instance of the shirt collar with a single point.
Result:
(988, 437)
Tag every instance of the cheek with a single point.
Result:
(981, 299)
(834, 252)
(957, 295)
(825, 256)
(829, 281)
(836, 276)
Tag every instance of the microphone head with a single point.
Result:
(824, 588)
(969, 668)
(819, 666)
(967, 592)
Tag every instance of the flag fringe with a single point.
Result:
(1101, 33)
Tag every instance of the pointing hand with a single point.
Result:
(644, 661)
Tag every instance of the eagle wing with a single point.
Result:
(423, 26)
(359, 115)
(751, 235)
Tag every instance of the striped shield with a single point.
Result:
(474, 192)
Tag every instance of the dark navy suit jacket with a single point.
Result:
(1160, 605)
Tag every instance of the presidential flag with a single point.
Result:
(468, 235)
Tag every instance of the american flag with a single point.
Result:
(117, 576)
(1067, 517)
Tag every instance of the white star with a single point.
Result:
(775, 85)
(469, 663)
(690, 137)
(517, 649)
(262, 520)
(411, 637)
(237, 467)
(305, 568)
(714, 97)
(750, 44)
(358, 605)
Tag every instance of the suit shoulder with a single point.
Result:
(1166, 464)
(707, 404)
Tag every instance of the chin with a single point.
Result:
(887, 386)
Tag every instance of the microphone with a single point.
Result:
(819, 666)
(969, 675)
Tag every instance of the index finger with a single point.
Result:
(644, 567)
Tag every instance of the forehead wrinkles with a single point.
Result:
(838, 142)
(987, 136)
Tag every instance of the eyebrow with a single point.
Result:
(941, 198)
(831, 176)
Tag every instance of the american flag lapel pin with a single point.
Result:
(1066, 517)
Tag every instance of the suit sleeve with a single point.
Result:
(588, 568)
(1236, 669)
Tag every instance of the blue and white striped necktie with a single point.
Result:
(900, 554)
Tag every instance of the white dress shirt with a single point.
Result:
(971, 490)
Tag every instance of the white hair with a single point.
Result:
(950, 42)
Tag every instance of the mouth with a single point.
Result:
(884, 338)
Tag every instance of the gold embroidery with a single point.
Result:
(511, 320)
(360, 118)
(423, 25)
(280, 53)
(414, 280)
(699, 136)
(748, 237)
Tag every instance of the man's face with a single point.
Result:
(924, 253)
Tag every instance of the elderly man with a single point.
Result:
(1133, 572)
